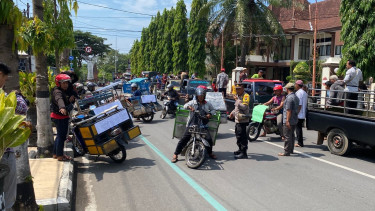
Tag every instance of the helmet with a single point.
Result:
(200, 91)
(78, 86)
(134, 85)
(278, 87)
(170, 86)
(61, 78)
(91, 86)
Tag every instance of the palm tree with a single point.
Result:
(245, 19)
(44, 128)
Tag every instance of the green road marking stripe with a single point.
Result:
(186, 177)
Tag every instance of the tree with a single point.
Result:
(145, 52)
(134, 59)
(179, 38)
(302, 72)
(10, 22)
(168, 46)
(106, 64)
(358, 34)
(246, 19)
(86, 39)
(197, 38)
(160, 44)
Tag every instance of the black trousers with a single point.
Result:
(185, 139)
(299, 133)
(240, 131)
(223, 90)
(351, 104)
(62, 127)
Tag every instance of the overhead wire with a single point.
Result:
(110, 8)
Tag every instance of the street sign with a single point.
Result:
(71, 58)
(88, 49)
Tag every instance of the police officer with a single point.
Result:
(241, 115)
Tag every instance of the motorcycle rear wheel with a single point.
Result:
(196, 160)
(253, 131)
(118, 155)
(148, 118)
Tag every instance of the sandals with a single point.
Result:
(283, 154)
(174, 159)
(64, 158)
(263, 135)
(54, 156)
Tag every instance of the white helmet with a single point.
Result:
(170, 86)
(134, 85)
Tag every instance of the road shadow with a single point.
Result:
(312, 154)
(321, 147)
(133, 144)
(262, 157)
(225, 135)
(102, 165)
(363, 154)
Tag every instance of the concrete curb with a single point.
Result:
(65, 189)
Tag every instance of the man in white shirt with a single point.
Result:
(302, 96)
(352, 80)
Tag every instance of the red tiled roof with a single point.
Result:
(327, 17)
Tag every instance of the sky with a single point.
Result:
(122, 24)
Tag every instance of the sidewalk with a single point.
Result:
(53, 183)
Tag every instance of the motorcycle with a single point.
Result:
(95, 136)
(269, 124)
(168, 108)
(195, 150)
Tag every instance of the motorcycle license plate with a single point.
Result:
(133, 132)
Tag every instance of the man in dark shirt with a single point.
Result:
(290, 119)
(173, 95)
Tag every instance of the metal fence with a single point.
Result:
(365, 105)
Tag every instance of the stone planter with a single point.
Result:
(32, 117)
(4, 171)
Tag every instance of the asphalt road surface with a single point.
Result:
(312, 179)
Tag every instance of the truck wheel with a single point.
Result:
(338, 143)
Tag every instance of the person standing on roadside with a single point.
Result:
(222, 82)
(61, 105)
(302, 96)
(290, 119)
(241, 115)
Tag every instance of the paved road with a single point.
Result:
(311, 180)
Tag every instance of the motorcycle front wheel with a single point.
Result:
(253, 131)
(118, 155)
(195, 160)
(77, 147)
(163, 113)
(148, 118)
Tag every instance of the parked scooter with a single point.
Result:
(269, 124)
(169, 108)
(195, 151)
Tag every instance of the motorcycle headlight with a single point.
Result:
(115, 132)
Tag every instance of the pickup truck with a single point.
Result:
(260, 91)
(342, 130)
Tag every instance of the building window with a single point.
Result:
(286, 50)
(338, 50)
(304, 49)
(324, 50)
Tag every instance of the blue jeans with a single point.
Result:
(62, 126)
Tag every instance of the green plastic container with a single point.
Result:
(181, 121)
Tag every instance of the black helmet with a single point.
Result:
(200, 91)
(91, 86)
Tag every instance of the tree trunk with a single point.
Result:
(244, 50)
(25, 190)
(9, 56)
(57, 61)
(64, 57)
(44, 127)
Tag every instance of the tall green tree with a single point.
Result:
(160, 44)
(246, 19)
(134, 59)
(168, 45)
(179, 38)
(197, 38)
(358, 34)
(151, 43)
(145, 52)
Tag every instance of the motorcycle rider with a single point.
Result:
(91, 86)
(135, 92)
(80, 90)
(173, 95)
(241, 115)
(208, 110)
(277, 100)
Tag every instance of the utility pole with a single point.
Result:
(236, 62)
(116, 59)
(222, 50)
(314, 57)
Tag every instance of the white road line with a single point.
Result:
(91, 202)
(321, 160)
